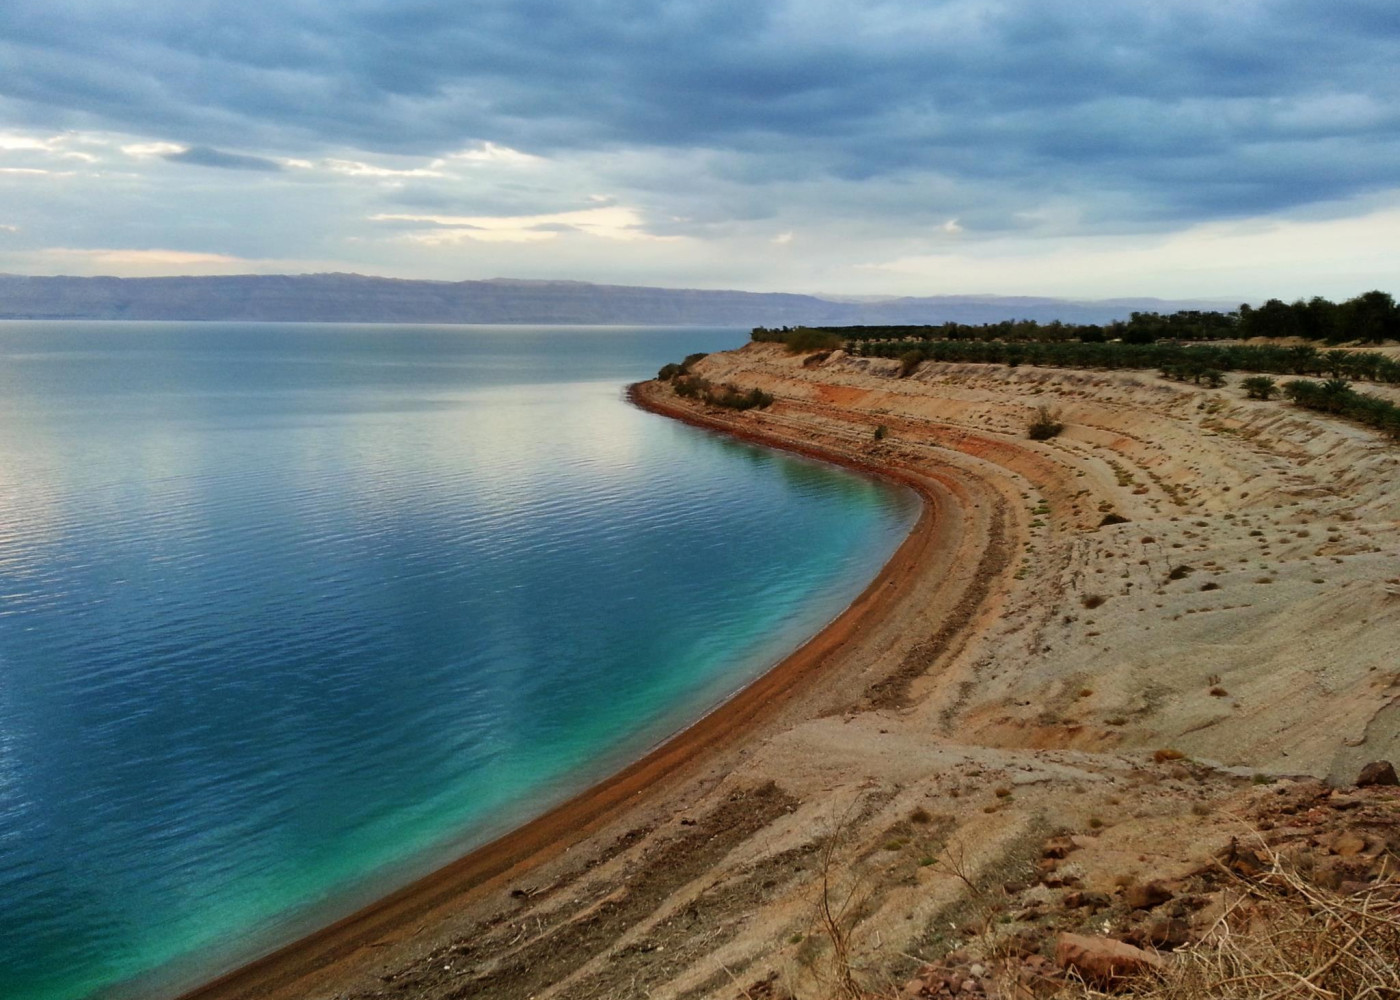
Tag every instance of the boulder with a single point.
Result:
(1102, 960)
(1378, 772)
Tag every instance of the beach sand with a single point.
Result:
(1182, 569)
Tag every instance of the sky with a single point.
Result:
(1232, 149)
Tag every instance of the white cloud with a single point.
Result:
(783, 238)
(1254, 258)
(613, 222)
(129, 262)
(49, 145)
(355, 168)
(152, 150)
(12, 141)
(490, 153)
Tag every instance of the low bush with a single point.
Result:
(1260, 387)
(728, 396)
(1045, 426)
(731, 397)
(799, 339)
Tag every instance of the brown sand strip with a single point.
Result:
(333, 957)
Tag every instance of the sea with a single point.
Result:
(291, 615)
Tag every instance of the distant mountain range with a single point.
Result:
(354, 298)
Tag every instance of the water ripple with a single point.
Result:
(291, 614)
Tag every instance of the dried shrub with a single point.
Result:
(1283, 936)
(1045, 426)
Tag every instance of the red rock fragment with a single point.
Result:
(1102, 960)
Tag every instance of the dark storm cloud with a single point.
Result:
(1191, 109)
(207, 156)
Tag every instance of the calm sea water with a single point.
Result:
(292, 614)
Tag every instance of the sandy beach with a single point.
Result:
(1136, 635)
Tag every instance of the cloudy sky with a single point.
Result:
(1220, 148)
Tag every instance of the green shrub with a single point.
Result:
(799, 339)
(728, 396)
(1260, 387)
(731, 397)
(1337, 396)
(690, 386)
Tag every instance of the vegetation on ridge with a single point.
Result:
(688, 385)
(1372, 317)
(1195, 363)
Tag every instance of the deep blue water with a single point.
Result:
(292, 614)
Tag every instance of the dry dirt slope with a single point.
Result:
(1243, 611)
(1258, 562)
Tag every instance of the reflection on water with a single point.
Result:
(290, 614)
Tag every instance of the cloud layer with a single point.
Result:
(901, 129)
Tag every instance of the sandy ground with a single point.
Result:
(1181, 570)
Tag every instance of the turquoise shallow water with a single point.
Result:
(292, 614)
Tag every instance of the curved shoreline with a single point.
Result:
(335, 954)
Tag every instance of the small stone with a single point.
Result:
(914, 987)
(1243, 860)
(1145, 897)
(1166, 932)
(1086, 897)
(1348, 843)
(969, 985)
(1378, 772)
(1024, 943)
(1059, 847)
(978, 970)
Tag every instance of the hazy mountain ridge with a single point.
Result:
(353, 298)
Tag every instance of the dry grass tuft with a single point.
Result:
(1283, 937)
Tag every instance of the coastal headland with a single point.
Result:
(1097, 665)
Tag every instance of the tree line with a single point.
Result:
(1338, 397)
(1372, 318)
